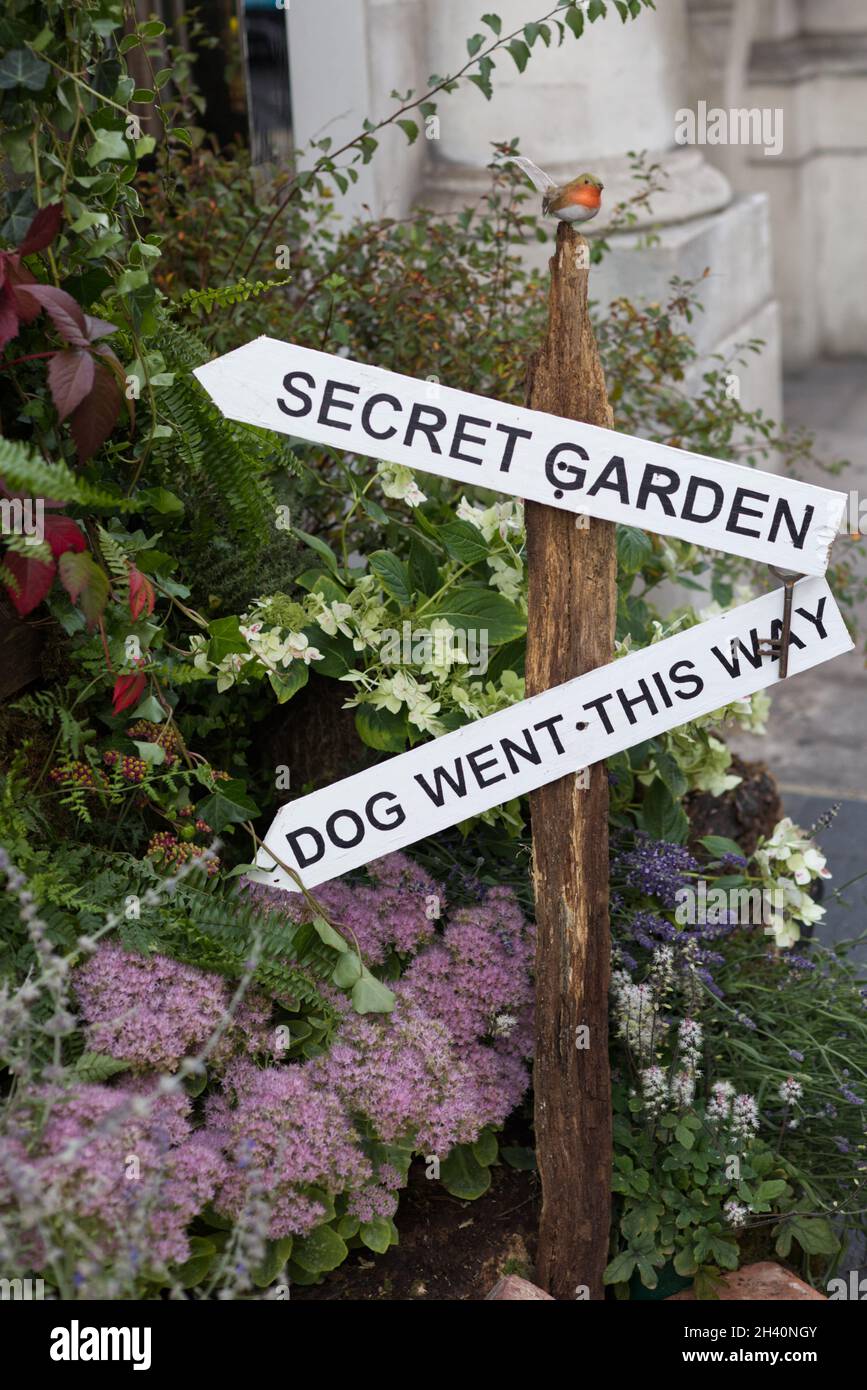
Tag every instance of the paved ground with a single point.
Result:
(817, 734)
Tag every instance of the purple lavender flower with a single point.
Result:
(655, 868)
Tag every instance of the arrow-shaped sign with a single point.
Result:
(505, 755)
(485, 443)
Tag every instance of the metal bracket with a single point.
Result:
(779, 646)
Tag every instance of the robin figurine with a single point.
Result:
(576, 201)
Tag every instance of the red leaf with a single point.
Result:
(42, 230)
(34, 579)
(93, 421)
(70, 378)
(9, 316)
(141, 594)
(128, 691)
(86, 584)
(66, 315)
(63, 534)
(98, 328)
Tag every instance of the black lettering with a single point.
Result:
(395, 812)
(738, 509)
(514, 434)
(677, 679)
(460, 437)
(689, 512)
(817, 619)
(645, 698)
(597, 704)
(357, 823)
(417, 425)
(549, 725)
(616, 466)
(328, 402)
(530, 753)
(301, 859)
(663, 690)
(661, 490)
(479, 768)
(565, 477)
(307, 406)
(368, 411)
(782, 512)
(794, 639)
(440, 775)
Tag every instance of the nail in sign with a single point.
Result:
(527, 453)
(507, 754)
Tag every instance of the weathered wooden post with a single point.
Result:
(570, 630)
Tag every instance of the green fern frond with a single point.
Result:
(114, 555)
(24, 470)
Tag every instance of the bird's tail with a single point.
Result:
(540, 180)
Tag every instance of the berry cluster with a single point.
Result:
(171, 853)
(77, 774)
(147, 732)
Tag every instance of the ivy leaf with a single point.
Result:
(85, 582)
(229, 804)
(33, 579)
(70, 379)
(410, 130)
(21, 68)
(494, 22)
(108, 145)
(474, 44)
(596, 10)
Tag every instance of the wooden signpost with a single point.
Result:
(561, 454)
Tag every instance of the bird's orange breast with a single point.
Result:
(586, 197)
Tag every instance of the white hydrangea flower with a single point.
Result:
(399, 482)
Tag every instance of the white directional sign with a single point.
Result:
(461, 774)
(527, 453)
